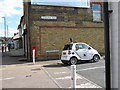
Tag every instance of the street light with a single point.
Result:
(5, 30)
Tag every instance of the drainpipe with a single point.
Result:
(29, 24)
(107, 46)
(28, 7)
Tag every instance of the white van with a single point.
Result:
(73, 52)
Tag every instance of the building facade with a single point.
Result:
(49, 28)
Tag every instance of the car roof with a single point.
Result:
(75, 43)
(78, 43)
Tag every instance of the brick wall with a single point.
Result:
(76, 23)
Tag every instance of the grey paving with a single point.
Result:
(44, 74)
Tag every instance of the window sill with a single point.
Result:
(98, 21)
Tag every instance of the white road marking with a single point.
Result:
(68, 77)
(91, 68)
(60, 72)
(87, 85)
(7, 78)
(78, 77)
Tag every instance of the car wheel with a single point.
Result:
(64, 61)
(73, 61)
(96, 58)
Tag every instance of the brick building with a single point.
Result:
(49, 27)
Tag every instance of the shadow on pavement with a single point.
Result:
(63, 65)
(56, 65)
(9, 60)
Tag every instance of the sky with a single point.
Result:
(12, 10)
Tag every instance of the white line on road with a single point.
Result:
(7, 78)
(91, 68)
(60, 72)
(68, 77)
(87, 85)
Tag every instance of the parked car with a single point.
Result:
(74, 52)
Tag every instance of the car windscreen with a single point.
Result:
(68, 47)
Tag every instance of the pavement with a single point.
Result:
(42, 74)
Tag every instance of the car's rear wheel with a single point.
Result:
(96, 58)
(64, 61)
(73, 61)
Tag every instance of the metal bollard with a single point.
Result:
(73, 77)
(33, 56)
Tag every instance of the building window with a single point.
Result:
(96, 8)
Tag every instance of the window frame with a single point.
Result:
(97, 3)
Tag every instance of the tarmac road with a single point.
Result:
(95, 72)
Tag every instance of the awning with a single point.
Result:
(17, 36)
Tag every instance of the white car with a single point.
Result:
(74, 52)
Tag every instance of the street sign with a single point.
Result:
(52, 51)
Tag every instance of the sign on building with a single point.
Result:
(48, 17)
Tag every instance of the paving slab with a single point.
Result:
(27, 77)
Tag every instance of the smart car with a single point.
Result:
(74, 52)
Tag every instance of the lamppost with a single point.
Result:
(5, 31)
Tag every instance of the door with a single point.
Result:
(84, 51)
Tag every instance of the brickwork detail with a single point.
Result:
(54, 38)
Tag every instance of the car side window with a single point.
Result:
(85, 46)
(78, 46)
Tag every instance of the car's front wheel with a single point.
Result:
(96, 58)
(73, 61)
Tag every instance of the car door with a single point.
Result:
(84, 51)
(88, 52)
(80, 51)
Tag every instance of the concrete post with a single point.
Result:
(73, 77)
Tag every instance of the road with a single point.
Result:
(49, 72)
(94, 72)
